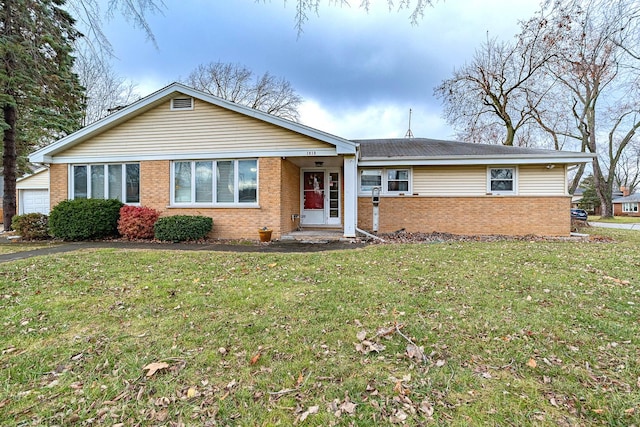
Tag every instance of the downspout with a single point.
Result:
(371, 236)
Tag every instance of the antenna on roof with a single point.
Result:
(409, 134)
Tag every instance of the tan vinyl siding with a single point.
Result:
(205, 129)
(538, 180)
(39, 180)
(450, 180)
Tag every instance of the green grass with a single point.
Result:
(616, 220)
(9, 248)
(515, 333)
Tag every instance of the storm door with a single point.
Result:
(320, 197)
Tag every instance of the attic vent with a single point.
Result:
(182, 104)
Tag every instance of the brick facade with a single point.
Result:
(58, 184)
(470, 215)
(278, 180)
(617, 211)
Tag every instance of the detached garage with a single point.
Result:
(33, 192)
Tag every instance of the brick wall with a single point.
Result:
(544, 216)
(290, 196)
(617, 211)
(58, 184)
(228, 223)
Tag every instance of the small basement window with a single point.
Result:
(182, 104)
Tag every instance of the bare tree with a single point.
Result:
(628, 169)
(490, 99)
(238, 84)
(105, 91)
(598, 78)
(306, 7)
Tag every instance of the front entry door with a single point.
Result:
(320, 197)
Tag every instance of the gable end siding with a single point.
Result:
(205, 129)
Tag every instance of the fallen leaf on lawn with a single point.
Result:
(300, 380)
(598, 411)
(630, 411)
(272, 265)
(532, 363)
(426, 408)
(310, 411)
(399, 417)
(191, 392)
(348, 407)
(415, 352)
(361, 335)
(255, 358)
(155, 367)
(440, 363)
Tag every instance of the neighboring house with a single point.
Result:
(182, 151)
(33, 192)
(627, 205)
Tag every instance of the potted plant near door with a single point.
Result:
(265, 234)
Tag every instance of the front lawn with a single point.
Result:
(505, 333)
(615, 220)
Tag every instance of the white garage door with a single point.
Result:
(35, 201)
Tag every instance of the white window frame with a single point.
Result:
(514, 178)
(236, 194)
(630, 207)
(384, 190)
(106, 180)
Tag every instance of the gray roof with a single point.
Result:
(635, 197)
(434, 148)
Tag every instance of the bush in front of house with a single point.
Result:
(31, 226)
(85, 219)
(179, 228)
(136, 222)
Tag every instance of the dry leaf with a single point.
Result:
(532, 363)
(348, 407)
(191, 392)
(272, 265)
(426, 408)
(630, 411)
(255, 358)
(361, 335)
(155, 367)
(310, 411)
(300, 380)
(440, 363)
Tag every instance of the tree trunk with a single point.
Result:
(9, 160)
(603, 190)
(511, 135)
(576, 179)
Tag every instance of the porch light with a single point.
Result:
(318, 164)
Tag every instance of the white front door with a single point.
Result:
(320, 197)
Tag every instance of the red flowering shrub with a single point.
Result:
(136, 222)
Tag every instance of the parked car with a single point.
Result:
(579, 214)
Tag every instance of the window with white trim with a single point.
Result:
(630, 207)
(214, 182)
(501, 180)
(106, 181)
(390, 181)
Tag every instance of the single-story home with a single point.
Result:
(182, 151)
(627, 205)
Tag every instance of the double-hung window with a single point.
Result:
(106, 181)
(213, 182)
(501, 181)
(390, 181)
(630, 207)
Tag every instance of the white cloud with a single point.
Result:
(374, 121)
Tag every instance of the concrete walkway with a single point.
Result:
(632, 226)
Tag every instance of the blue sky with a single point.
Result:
(358, 72)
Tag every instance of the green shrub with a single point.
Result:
(31, 226)
(136, 222)
(179, 228)
(84, 219)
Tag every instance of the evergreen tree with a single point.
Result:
(40, 96)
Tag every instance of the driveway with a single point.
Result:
(633, 226)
